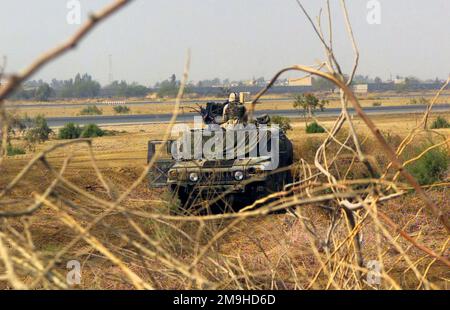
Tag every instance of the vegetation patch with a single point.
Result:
(39, 132)
(314, 128)
(74, 131)
(91, 110)
(283, 122)
(121, 109)
(13, 151)
(308, 104)
(432, 166)
(92, 131)
(70, 131)
(439, 123)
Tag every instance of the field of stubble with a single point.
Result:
(273, 251)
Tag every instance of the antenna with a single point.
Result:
(110, 74)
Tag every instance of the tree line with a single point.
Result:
(82, 86)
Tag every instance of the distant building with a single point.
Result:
(281, 82)
(400, 81)
(361, 88)
(250, 82)
(304, 81)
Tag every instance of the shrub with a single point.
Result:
(16, 123)
(283, 122)
(121, 109)
(314, 128)
(12, 151)
(431, 167)
(421, 100)
(43, 92)
(73, 131)
(440, 122)
(376, 104)
(39, 132)
(92, 131)
(91, 110)
(70, 131)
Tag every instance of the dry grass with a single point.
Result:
(63, 205)
(261, 252)
(167, 107)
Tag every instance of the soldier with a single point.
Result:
(234, 111)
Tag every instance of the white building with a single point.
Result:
(361, 88)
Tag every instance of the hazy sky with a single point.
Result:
(236, 39)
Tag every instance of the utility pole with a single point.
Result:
(110, 73)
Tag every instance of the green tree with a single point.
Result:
(22, 94)
(168, 88)
(320, 83)
(173, 78)
(39, 132)
(43, 92)
(308, 104)
(83, 86)
(122, 89)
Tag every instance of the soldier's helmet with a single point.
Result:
(233, 97)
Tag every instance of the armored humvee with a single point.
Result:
(234, 174)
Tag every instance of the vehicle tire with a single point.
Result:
(184, 201)
(225, 205)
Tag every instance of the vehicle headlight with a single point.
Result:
(239, 175)
(193, 176)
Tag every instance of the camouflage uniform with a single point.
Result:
(234, 112)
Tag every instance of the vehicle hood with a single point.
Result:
(223, 163)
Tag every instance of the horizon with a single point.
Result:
(147, 46)
(223, 82)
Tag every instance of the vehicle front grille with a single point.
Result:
(209, 177)
(224, 163)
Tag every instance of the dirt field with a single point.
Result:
(265, 246)
(167, 107)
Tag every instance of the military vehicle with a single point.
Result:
(234, 181)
